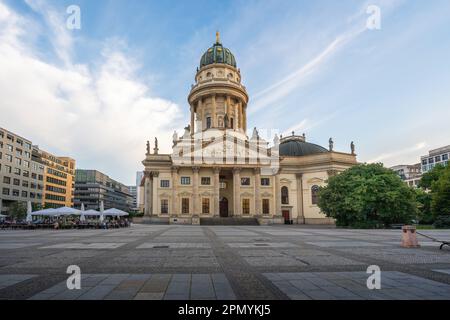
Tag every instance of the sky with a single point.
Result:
(98, 93)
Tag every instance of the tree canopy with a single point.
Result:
(368, 195)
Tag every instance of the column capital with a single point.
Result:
(299, 175)
(195, 169)
(332, 173)
(257, 170)
(175, 169)
(236, 170)
(154, 174)
(217, 170)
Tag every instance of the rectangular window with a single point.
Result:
(185, 205)
(430, 160)
(24, 194)
(26, 163)
(18, 161)
(245, 206)
(16, 182)
(18, 152)
(7, 180)
(208, 122)
(205, 205)
(165, 184)
(222, 185)
(5, 191)
(17, 171)
(245, 181)
(25, 184)
(9, 158)
(444, 157)
(265, 181)
(26, 173)
(437, 158)
(206, 181)
(185, 180)
(8, 169)
(265, 206)
(10, 147)
(15, 193)
(164, 206)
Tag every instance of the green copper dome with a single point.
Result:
(217, 54)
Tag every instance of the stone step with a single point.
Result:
(230, 221)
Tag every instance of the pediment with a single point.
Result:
(315, 180)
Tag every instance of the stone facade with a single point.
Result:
(216, 170)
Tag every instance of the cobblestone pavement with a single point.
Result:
(147, 262)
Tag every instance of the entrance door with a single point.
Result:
(224, 207)
(286, 216)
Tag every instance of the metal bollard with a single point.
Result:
(409, 237)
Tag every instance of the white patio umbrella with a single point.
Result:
(102, 208)
(50, 212)
(82, 218)
(115, 212)
(66, 211)
(29, 211)
(91, 212)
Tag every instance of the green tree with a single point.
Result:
(440, 192)
(18, 210)
(425, 214)
(368, 195)
(431, 176)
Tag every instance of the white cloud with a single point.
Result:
(398, 154)
(100, 115)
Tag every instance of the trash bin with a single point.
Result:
(409, 237)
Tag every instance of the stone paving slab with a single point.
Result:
(4, 245)
(143, 287)
(262, 245)
(97, 245)
(7, 280)
(174, 246)
(352, 286)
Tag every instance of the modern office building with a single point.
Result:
(92, 187)
(435, 157)
(21, 178)
(58, 178)
(411, 174)
(140, 191)
(133, 192)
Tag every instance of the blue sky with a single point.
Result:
(97, 94)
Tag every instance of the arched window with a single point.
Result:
(314, 194)
(284, 195)
(231, 123)
(208, 122)
(209, 75)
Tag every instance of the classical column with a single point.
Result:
(277, 195)
(258, 191)
(217, 191)
(195, 183)
(155, 207)
(214, 111)
(192, 120)
(244, 115)
(237, 191)
(174, 210)
(229, 109)
(236, 117)
(200, 114)
(148, 194)
(300, 213)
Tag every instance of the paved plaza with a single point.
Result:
(152, 262)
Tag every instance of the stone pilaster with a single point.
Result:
(196, 196)
(258, 210)
(300, 211)
(192, 120)
(155, 205)
(148, 194)
(237, 191)
(277, 195)
(217, 192)
(174, 210)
